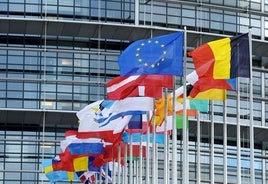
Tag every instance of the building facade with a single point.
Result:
(57, 55)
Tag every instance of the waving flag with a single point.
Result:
(111, 120)
(205, 84)
(206, 88)
(139, 85)
(87, 177)
(55, 176)
(158, 55)
(160, 106)
(223, 59)
(125, 107)
(137, 137)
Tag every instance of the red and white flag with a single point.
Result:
(139, 85)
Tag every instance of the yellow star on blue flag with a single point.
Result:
(161, 55)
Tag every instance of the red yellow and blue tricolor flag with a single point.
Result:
(224, 58)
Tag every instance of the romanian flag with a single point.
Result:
(224, 58)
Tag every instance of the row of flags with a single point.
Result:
(135, 112)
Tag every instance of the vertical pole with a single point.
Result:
(198, 170)
(263, 167)
(238, 138)
(118, 162)
(154, 160)
(106, 173)
(251, 128)
(131, 160)
(137, 10)
(147, 151)
(166, 151)
(225, 142)
(125, 166)
(212, 145)
(174, 141)
(140, 158)
(185, 168)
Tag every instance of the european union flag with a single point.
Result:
(158, 55)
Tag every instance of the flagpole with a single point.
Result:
(147, 163)
(238, 138)
(251, 128)
(212, 144)
(166, 151)
(224, 142)
(106, 173)
(125, 164)
(174, 140)
(130, 160)
(198, 174)
(119, 162)
(185, 165)
(140, 156)
(154, 153)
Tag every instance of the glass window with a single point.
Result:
(230, 3)
(16, 7)
(3, 95)
(14, 94)
(33, 8)
(12, 176)
(230, 18)
(15, 59)
(3, 6)
(31, 104)
(66, 2)
(11, 86)
(14, 104)
(188, 12)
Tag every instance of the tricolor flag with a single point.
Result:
(224, 58)
(138, 85)
(158, 55)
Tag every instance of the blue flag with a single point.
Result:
(158, 55)
(136, 137)
(135, 122)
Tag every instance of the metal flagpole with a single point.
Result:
(125, 166)
(118, 161)
(212, 144)
(224, 142)
(156, 165)
(238, 138)
(135, 171)
(130, 160)
(154, 154)
(106, 173)
(174, 141)
(166, 151)
(140, 157)
(185, 165)
(147, 163)
(251, 128)
(198, 174)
